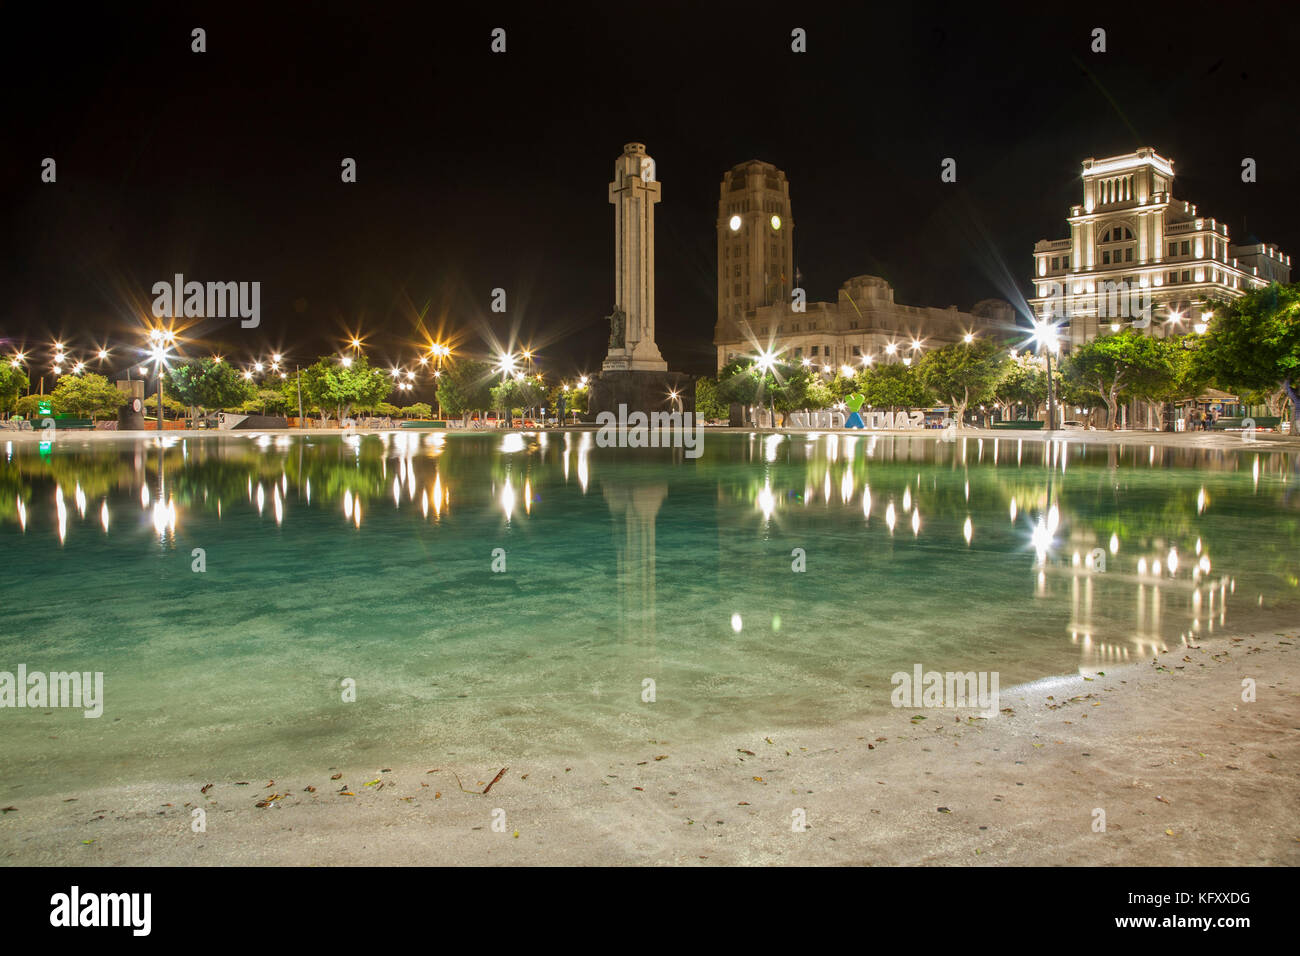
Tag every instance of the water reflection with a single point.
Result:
(1122, 551)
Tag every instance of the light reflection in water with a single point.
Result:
(1158, 506)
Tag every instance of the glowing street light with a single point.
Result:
(891, 349)
(765, 362)
(1045, 336)
(158, 343)
(968, 338)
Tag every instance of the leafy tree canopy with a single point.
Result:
(86, 396)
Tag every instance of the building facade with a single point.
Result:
(757, 280)
(1139, 257)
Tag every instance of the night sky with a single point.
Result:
(478, 170)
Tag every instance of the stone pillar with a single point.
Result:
(633, 193)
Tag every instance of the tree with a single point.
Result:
(86, 396)
(29, 406)
(1254, 342)
(13, 382)
(169, 404)
(792, 393)
(817, 394)
(265, 401)
(329, 384)
(1023, 382)
(575, 400)
(516, 393)
(962, 373)
(207, 384)
(1174, 375)
(464, 387)
(892, 386)
(1077, 394)
(417, 410)
(1115, 365)
(708, 406)
(743, 383)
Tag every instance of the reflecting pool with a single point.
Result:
(513, 594)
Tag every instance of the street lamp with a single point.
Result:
(766, 363)
(158, 354)
(1045, 336)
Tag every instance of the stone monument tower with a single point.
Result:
(633, 193)
(634, 373)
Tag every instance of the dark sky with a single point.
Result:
(478, 170)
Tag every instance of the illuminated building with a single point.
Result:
(1137, 253)
(757, 287)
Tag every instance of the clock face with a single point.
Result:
(735, 224)
(776, 222)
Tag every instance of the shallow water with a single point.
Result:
(371, 559)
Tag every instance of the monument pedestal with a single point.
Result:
(640, 391)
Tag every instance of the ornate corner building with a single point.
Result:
(1139, 257)
(757, 280)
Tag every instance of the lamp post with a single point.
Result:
(158, 370)
(1045, 335)
(159, 340)
(766, 363)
